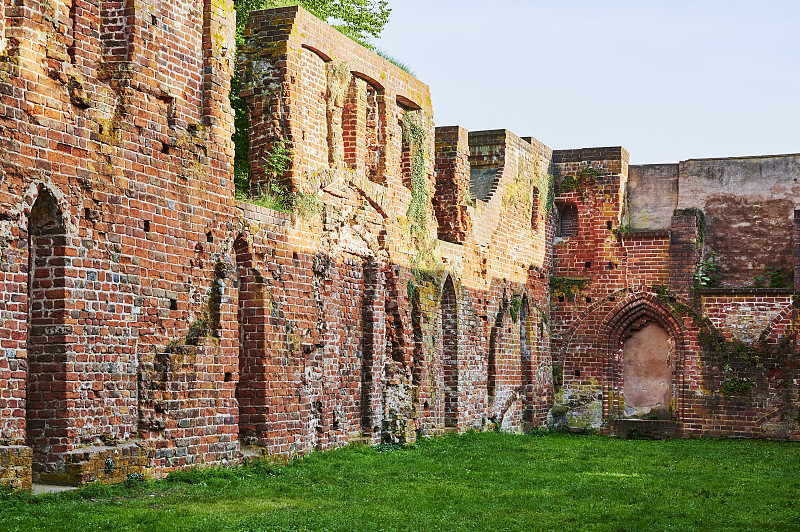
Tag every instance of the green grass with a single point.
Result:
(486, 481)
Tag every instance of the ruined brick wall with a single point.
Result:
(730, 355)
(116, 196)
(426, 279)
(442, 261)
(749, 224)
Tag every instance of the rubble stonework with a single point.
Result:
(427, 279)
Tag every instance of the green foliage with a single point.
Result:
(736, 387)
(274, 193)
(358, 19)
(135, 477)
(773, 278)
(241, 139)
(578, 182)
(514, 306)
(568, 287)
(198, 330)
(707, 274)
(476, 481)
(414, 136)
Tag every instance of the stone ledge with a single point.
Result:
(747, 290)
(647, 429)
(645, 233)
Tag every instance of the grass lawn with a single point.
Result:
(485, 481)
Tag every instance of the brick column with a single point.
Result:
(796, 249)
(452, 183)
(684, 247)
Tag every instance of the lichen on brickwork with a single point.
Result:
(180, 323)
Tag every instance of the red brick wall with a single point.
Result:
(109, 120)
(418, 286)
(730, 360)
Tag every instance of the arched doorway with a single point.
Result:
(643, 358)
(648, 368)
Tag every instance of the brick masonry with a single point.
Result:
(430, 279)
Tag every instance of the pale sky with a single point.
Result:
(667, 80)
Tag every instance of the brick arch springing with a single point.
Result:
(48, 390)
(450, 352)
(634, 310)
(784, 321)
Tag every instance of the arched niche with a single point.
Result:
(450, 352)
(644, 353)
(567, 221)
(47, 425)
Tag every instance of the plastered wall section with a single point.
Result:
(748, 204)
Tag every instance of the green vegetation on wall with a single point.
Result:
(740, 362)
(414, 136)
(273, 193)
(514, 306)
(359, 20)
(773, 278)
(568, 287)
(707, 274)
(577, 183)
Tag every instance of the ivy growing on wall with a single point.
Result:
(514, 306)
(578, 182)
(730, 352)
(568, 286)
(414, 137)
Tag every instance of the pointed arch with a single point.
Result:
(47, 393)
(450, 353)
(628, 316)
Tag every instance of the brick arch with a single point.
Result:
(579, 321)
(638, 305)
(450, 358)
(781, 323)
(638, 309)
(49, 390)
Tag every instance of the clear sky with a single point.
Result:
(668, 80)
